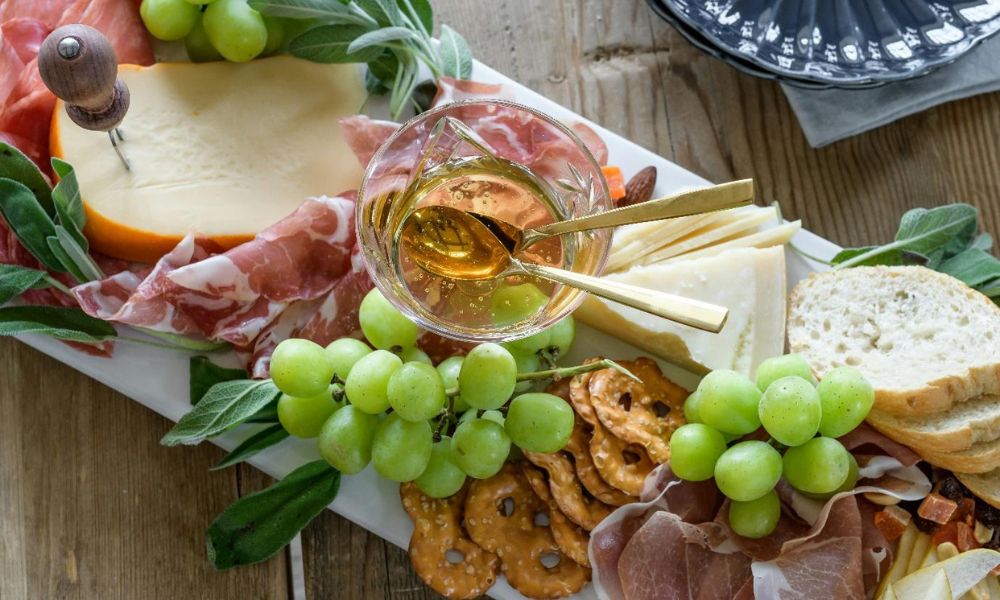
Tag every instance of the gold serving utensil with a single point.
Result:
(681, 204)
(455, 244)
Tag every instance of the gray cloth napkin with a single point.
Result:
(827, 116)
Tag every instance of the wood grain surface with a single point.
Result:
(93, 507)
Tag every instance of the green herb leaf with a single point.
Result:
(456, 58)
(890, 258)
(263, 439)
(301, 9)
(70, 324)
(68, 203)
(420, 11)
(79, 257)
(205, 374)
(268, 414)
(379, 37)
(924, 232)
(256, 526)
(29, 221)
(328, 44)
(973, 266)
(385, 12)
(64, 258)
(15, 280)
(186, 342)
(983, 241)
(223, 406)
(15, 165)
(992, 289)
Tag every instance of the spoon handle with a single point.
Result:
(702, 315)
(681, 204)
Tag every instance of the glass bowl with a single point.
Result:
(497, 158)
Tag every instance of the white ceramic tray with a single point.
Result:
(158, 379)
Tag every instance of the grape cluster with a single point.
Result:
(413, 421)
(727, 406)
(214, 29)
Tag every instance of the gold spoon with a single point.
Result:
(455, 244)
(681, 204)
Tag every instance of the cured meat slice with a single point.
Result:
(865, 440)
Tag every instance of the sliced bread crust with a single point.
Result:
(980, 458)
(924, 339)
(965, 424)
(985, 485)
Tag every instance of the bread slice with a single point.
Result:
(967, 423)
(985, 485)
(981, 457)
(925, 340)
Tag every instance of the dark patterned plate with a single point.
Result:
(841, 43)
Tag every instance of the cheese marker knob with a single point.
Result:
(79, 66)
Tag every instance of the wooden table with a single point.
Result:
(93, 507)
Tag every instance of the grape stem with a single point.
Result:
(561, 372)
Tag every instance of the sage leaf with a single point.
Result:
(268, 414)
(29, 222)
(69, 324)
(890, 258)
(385, 12)
(184, 342)
(15, 165)
(380, 37)
(328, 44)
(64, 258)
(68, 203)
(224, 405)
(204, 374)
(15, 280)
(263, 439)
(983, 241)
(973, 266)
(992, 289)
(302, 9)
(256, 526)
(421, 12)
(456, 58)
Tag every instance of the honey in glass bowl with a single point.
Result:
(497, 159)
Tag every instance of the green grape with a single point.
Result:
(237, 31)
(539, 422)
(199, 47)
(401, 449)
(755, 518)
(691, 414)
(479, 447)
(728, 402)
(344, 353)
(748, 470)
(790, 410)
(531, 344)
(449, 369)
(694, 450)
(345, 440)
(527, 362)
(487, 377)
(846, 398)
(367, 384)
(383, 324)
(490, 415)
(849, 483)
(514, 303)
(169, 19)
(414, 354)
(416, 392)
(819, 466)
(442, 477)
(789, 365)
(301, 368)
(304, 417)
(200, 2)
(562, 335)
(275, 35)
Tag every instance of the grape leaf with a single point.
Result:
(263, 439)
(224, 405)
(456, 58)
(256, 526)
(29, 221)
(328, 44)
(15, 165)
(70, 324)
(15, 280)
(204, 374)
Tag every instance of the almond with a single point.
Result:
(640, 187)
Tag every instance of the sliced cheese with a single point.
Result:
(750, 282)
(776, 236)
(218, 148)
(713, 235)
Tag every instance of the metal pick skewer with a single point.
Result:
(79, 66)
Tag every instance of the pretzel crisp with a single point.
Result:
(579, 394)
(437, 533)
(581, 508)
(623, 465)
(579, 446)
(571, 539)
(644, 413)
(500, 516)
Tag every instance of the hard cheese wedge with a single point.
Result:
(220, 149)
(750, 282)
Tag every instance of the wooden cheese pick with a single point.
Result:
(78, 64)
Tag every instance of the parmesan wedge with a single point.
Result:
(775, 236)
(750, 282)
(712, 235)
